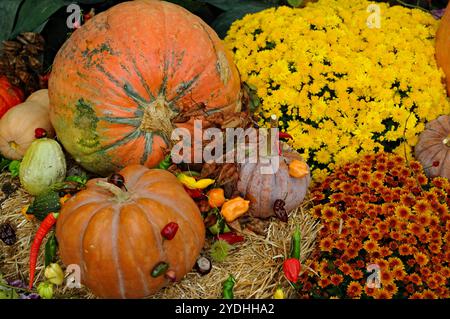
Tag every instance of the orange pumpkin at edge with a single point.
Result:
(130, 75)
(114, 234)
(443, 46)
(10, 95)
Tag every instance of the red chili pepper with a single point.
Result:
(291, 269)
(231, 238)
(169, 231)
(43, 230)
(285, 135)
(194, 193)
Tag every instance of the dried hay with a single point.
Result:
(256, 263)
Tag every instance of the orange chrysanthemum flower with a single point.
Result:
(326, 244)
(336, 279)
(371, 246)
(345, 268)
(395, 262)
(404, 250)
(393, 222)
(383, 294)
(354, 289)
(356, 274)
(399, 273)
(422, 206)
(428, 294)
(402, 212)
(421, 259)
(329, 213)
(415, 166)
(415, 279)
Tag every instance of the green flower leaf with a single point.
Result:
(295, 3)
(34, 13)
(8, 13)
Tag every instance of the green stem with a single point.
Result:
(116, 191)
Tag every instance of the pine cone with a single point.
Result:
(21, 61)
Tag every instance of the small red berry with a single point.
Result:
(40, 133)
(435, 163)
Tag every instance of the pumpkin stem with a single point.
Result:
(446, 141)
(120, 195)
(158, 118)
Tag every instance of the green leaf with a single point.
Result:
(240, 9)
(8, 13)
(90, 1)
(14, 167)
(225, 5)
(80, 179)
(4, 163)
(191, 5)
(295, 3)
(33, 13)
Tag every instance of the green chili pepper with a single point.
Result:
(160, 269)
(228, 286)
(295, 244)
(50, 250)
(165, 163)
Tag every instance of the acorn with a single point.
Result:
(203, 265)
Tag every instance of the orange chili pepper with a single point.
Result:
(216, 197)
(234, 208)
(298, 169)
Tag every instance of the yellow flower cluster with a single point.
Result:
(339, 87)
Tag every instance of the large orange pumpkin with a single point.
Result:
(114, 234)
(443, 46)
(123, 81)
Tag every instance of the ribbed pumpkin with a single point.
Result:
(443, 46)
(433, 148)
(264, 189)
(9, 95)
(124, 80)
(115, 237)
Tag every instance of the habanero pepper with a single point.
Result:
(291, 269)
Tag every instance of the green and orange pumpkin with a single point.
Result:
(123, 81)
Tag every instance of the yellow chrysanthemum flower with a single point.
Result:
(342, 88)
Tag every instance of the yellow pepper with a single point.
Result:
(279, 294)
(234, 208)
(64, 199)
(54, 274)
(192, 183)
(24, 210)
(298, 169)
